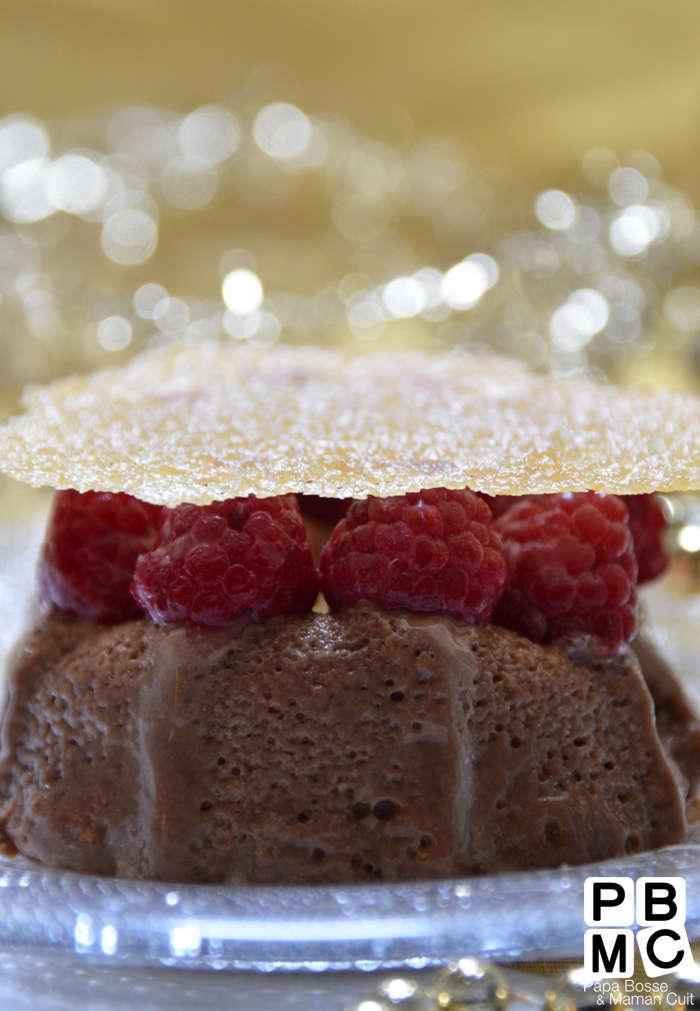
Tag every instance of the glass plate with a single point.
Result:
(533, 915)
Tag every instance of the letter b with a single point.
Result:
(660, 900)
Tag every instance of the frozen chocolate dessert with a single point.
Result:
(304, 617)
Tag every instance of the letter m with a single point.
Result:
(609, 954)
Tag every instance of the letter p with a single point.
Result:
(608, 902)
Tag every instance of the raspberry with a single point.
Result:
(571, 572)
(213, 564)
(320, 508)
(648, 525)
(431, 551)
(91, 546)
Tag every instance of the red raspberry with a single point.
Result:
(91, 546)
(648, 525)
(213, 564)
(571, 572)
(432, 551)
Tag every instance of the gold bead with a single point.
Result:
(470, 984)
(407, 994)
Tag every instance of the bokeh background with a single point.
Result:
(526, 86)
(516, 175)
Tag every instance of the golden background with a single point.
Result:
(526, 86)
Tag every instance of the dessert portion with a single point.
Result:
(227, 681)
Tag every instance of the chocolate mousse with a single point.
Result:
(306, 749)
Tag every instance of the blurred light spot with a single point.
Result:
(267, 329)
(586, 228)
(374, 171)
(634, 229)
(488, 265)
(23, 192)
(353, 283)
(129, 237)
(204, 329)
(465, 283)
(404, 297)
(598, 164)
(108, 939)
(241, 328)
(682, 217)
(147, 297)
(583, 315)
(628, 186)
(83, 932)
(555, 209)
(430, 280)
(682, 307)
(44, 320)
(624, 324)
(399, 990)
(21, 139)
(114, 333)
(315, 152)
(647, 164)
(242, 291)
(76, 184)
(434, 173)
(189, 182)
(689, 538)
(282, 130)
(171, 315)
(185, 938)
(365, 312)
(662, 214)
(143, 133)
(131, 198)
(211, 133)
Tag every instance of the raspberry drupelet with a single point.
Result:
(572, 572)
(243, 557)
(92, 542)
(431, 551)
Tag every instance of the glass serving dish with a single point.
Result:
(104, 921)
